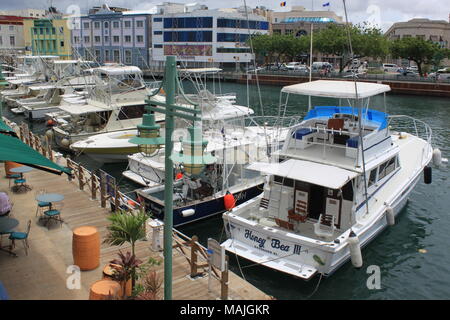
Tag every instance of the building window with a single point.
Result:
(127, 38)
(157, 32)
(127, 56)
(12, 40)
(106, 39)
(157, 46)
(97, 55)
(116, 39)
(96, 25)
(86, 39)
(97, 39)
(61, 44)
(11, 28)
(231, 37)
(127, 24)
(116, 24)
(116, 57)
(188, 36)
(106, 25)
(106, 55)
(277, 31)
(140, 39)
(242, 24)
(61, 30)
(139, 24)
(234, 50)
(157, 19)
(185, 23)
(76, 39)
(1, 40)
(86, 25)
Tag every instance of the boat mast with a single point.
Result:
(310, 63)
(359, 112)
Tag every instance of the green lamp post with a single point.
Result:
(191, 156)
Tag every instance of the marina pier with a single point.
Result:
(46, 270)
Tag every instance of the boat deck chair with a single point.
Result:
(324, 227)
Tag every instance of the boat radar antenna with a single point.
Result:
(359, 109)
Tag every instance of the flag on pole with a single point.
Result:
(283, 4)
(326, 4)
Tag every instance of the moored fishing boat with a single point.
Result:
(341, 177)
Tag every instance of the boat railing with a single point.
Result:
(404, 123)
(272, 121)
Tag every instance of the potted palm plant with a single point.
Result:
(127, 227)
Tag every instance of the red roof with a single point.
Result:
(13, 18)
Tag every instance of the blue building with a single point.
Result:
(198, 37)
(110, 35)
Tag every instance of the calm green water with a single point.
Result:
(424, 223)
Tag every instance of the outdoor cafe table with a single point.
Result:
(7, 225)
(22, 170)
(50, 198)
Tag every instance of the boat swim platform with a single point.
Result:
(43, 274)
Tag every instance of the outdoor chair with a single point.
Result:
(20, 185)
(21, 236)
(13, 177)
(40, 204)
(53, 215)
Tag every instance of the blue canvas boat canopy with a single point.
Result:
(380, 119)
(13, 149)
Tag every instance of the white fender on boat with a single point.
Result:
(390, 217)
(65, 142)
(187, 212)
(355, 250)
(49, 133)
(437, 157)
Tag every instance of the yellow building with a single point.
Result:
(48, 37)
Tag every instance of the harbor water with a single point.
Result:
(412, 256)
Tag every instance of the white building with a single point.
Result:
(204, 37)
(11, 33)
(29, 13)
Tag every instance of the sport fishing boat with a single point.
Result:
(227, 136)
(115, 103)
(70, 79)
(342, 176)
(112, 147)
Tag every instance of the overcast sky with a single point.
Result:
(381, 12)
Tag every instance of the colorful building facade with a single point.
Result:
(48, 37)
(109, 35)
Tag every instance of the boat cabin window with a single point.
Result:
(386, 168)
(131, 112)
(373, 177)
(284, 181)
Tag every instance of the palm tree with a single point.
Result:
(126, 227)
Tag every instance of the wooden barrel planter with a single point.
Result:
(104, 290)
(9, 165)
(86, 247)
(108, 272)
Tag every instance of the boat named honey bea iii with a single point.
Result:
(342, 176)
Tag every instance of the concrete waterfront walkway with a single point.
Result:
(43, 273)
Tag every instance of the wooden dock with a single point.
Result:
(43, 273)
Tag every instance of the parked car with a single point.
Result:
(390, 67)
(318, 65)
(295, 66)
(441, 75)
(413, 69)
(407, 73)
(274, 67)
